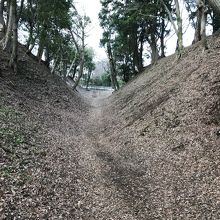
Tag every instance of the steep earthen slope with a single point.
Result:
(40, 121)
(163, 134)
(150, 151)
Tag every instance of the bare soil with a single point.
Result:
(149, 151)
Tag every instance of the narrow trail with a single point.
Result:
(151, 153)
(102, 199)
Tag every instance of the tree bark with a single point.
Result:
(82, 59)
(80, 48)
(154, 50)
(135, 51)
(55, 65)
(31, 22)
(153, 42)
(40, 50)
(81, 68)
(88, 78)
(203, 27)
(30, 37)
(113, 74)
(47, 57)
(200, 31)
(2, 21)
(180, 28)
(197, 36)
(141, 53)
(29, 50)
(14, 54)
(74, 70)
(7, 11)
(7, 38)
(72, 65)
(41, 43)
(64, 70)
(141, 49)
(162, 44)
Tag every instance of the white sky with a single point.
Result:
(91, 8)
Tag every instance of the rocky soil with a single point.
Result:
(149, 151)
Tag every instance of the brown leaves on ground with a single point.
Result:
(150, 151)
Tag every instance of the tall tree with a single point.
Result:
(200, 30)
(11, 36)
(113, 75)
(129, 28)
(78, 34)
(2, 22)
(14, 54)
(7, 37)
(178, 26)
(89, 64)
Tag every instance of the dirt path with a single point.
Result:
(72, 172)
(152, 153)
(102, 200)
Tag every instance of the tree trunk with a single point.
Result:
(154, 50)
(113, 74)
(47, 56)
(40, 51)
(14, 54)
(30, 48)
(197, 36)
(140, 57)
(2, 21)
(31, 22)
(7, 11)
(135, 49)
(72, 65)
(153, 42)
(162, 44)
(41, 44)
(203, 27)
(55, 65)
(82, 60)
(80, 48)
(180, 28)
(74, 70)
(7, 38)
(81, 68)
(30, 37)
(200, 31)
(64, 70)
(140, 60)
(88, 79)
